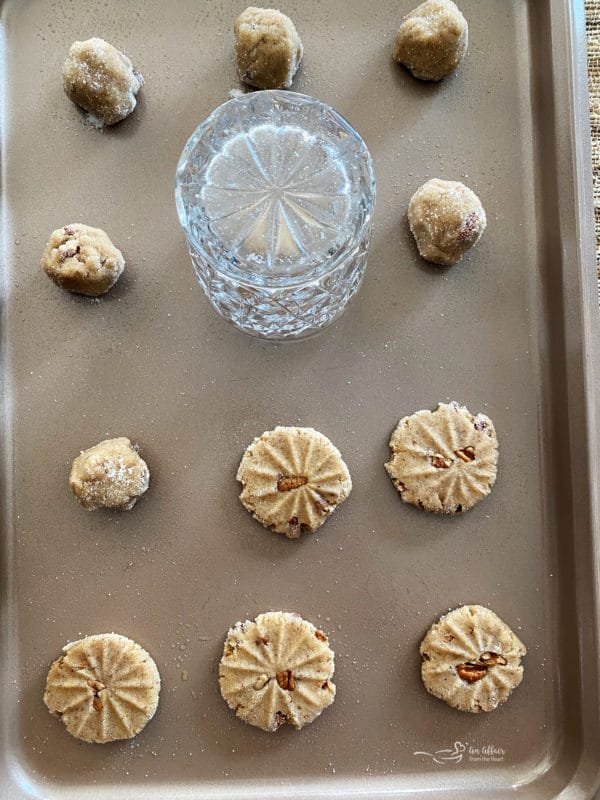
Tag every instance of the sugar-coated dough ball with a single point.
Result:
(82, 259)
(101, 79)
(432, 40)
(109, 475)
(268, 48)
(446, 219)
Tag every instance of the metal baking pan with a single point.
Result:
(511, 331)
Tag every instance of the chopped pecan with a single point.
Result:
(322, 504)
(69, 253)
(289, 482)
(96, 687)
(493, 659)
(321, 636)
(471, 672)
(466, 454)
(261, 682)
(285, 679)
(279, 719)
(440, 462)
(469, 226)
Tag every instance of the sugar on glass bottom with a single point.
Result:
(275, 192)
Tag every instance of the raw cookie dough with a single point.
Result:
(109, 475)
(432, 40)
(293, 479)
(82, 259)
(104, 687)
(471, 659)
(277, 669)
(268, 48)
(446, 219)
(445, 460)
(101, 79)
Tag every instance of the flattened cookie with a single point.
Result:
(471, 659)
(445, 460)
(277, 669)
(292, 479)
(104, 687)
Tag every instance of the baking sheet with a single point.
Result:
(509, 332)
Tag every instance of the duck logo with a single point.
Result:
(454, 756)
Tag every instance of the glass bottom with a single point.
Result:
(279, 199)
(284, 313)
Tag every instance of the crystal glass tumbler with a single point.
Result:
(275, 192)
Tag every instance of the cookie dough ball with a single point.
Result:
(432, 40)
(471, 659)
(268, 48)
(101, 79)
(109, 475)
(82, 259)
(447, 219)
(105, 687)
(277, 669)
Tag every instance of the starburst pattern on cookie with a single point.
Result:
(277, 669)
(293, 479)
(444, 461)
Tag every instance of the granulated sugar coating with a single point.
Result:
(444, 461)
(105, 687)
(82, 259)
(109, 475)
(268, 48)
(293, 479)
(432, 40)
(446, 219)
(101, 79)
(277, 669)
(471, 659)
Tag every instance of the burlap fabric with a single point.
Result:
(592, 15)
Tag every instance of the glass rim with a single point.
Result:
(248, 274)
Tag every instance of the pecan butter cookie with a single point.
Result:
(268, 48)
(471, 659)
(109, 475)
(101, 79)
(447, 219)
(445, 460)
(277, 669)
(105, 687)
(293, 479)
(82, 259)
(432, 40)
